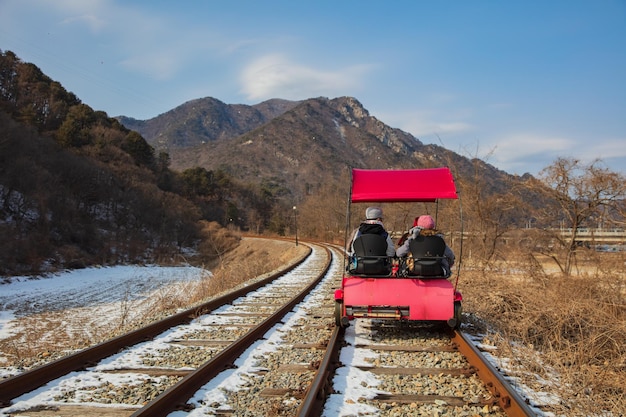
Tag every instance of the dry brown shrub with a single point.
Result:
(216, 242)
(571, 328)
(249, 260)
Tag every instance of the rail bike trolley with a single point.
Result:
(379, 287)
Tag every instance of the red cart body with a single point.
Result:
(394, 296)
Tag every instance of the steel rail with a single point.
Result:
(176, 397)
(313, 402)
(508, 399)
(25, 382)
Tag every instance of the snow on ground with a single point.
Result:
(83, 287)
(535, 399)
(105, 294)
(84, 301)
(107, 287)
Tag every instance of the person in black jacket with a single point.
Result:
(373, 224)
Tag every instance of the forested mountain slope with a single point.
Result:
(300, 147)
(78, 187)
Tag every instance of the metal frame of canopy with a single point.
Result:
(394, 297)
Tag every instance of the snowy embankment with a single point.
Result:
(77, 308)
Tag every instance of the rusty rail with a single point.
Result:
(313, 402)
(17, 385)
(176, 397)
(508, 399)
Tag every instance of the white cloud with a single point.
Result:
(422, 124)
(275, 76)
(92, 21)
(43, 13)
(524, 145)
(527, 152)
(604, 148)
(94, 14)
(518, 147)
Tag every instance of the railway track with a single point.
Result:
(269, 349)
(416, 370)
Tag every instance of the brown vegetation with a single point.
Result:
(49, 335)
(251, 258)
(568, 330)
(586, 196)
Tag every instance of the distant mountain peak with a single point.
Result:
(352, 109)
(286, 141)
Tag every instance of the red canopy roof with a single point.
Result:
(378, 185)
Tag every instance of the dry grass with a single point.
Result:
(569, 330)
(252, 258)
(53, 334)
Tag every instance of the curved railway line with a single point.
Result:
(269, 349)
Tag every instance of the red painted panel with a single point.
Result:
(374, 185)
(431, 299)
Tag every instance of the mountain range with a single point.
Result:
(78, 187)
(295, 145)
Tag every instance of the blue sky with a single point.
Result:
(516, 83)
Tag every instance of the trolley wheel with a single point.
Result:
(455, 321)
(341, 320)
(338, 312)
(458, 313)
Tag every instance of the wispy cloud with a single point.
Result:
(93, 14)
(606, 148)
(523, 145)
(421, 123)
(140, 42)
(276, 76)
(531, 152)
(94, 22)
(517, 147)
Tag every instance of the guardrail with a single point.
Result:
(584, 231)
(598, 235)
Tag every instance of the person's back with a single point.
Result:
(372, 225)
(425, 226)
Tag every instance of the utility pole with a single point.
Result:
(295, 222)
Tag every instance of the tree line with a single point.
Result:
(77, 188)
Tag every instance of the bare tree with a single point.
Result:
(586, 195)
(489, 209)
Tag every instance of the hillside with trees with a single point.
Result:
(78, 187)
(302, 157)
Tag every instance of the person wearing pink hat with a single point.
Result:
(425, 226)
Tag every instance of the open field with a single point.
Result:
(569, 330)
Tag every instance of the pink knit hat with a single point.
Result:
(426, 222)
